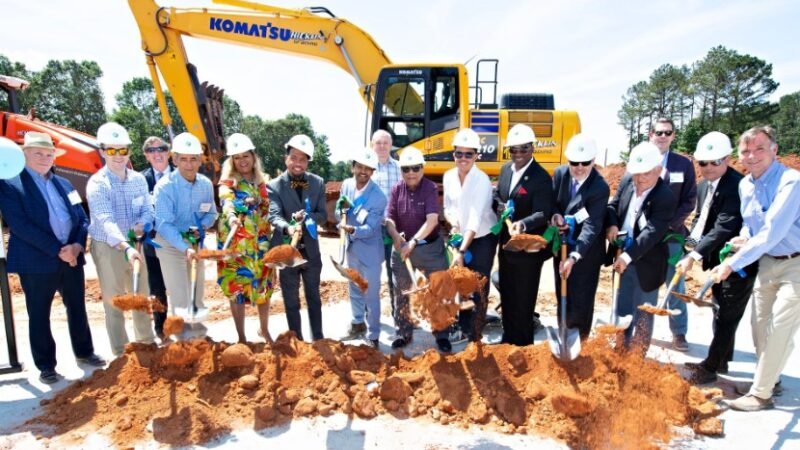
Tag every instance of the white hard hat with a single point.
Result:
(411, 156)
(519, 134)
(713, 146)
(238, 143)
(112, 134)
(367, 157)
(12, 160)
(644, 157)
(302, 143)
(187, 144)
(581, 148)
(468, 138)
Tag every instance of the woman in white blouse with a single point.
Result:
(468, 209)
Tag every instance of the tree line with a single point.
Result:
(725, 91)
(68, 93)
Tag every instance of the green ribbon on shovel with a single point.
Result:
(288, 239)
(497, 227)
(342, 201)
(675, 257)
(726, 250)
(553, 237)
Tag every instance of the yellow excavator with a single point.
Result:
(420, 105)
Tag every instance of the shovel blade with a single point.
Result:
(623, 322)
(553, 341)
(573, 344)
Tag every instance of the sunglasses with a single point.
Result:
(716, 162)
(116, 151)
(581, 163)
(414, 169)
(460, 154)
(663, 133)
(160, 149)
(518, 150)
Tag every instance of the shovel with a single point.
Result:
(660, 309)
(565, 343)
(295, 260)
(698, 299)
(350, 274)
(620, 323)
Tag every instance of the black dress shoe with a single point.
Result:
(92, 360)
(723, 368)
(49, 376)
(700, 375)
(400, 342)
(374, 344)
(444, 345)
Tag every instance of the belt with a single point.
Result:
(784, 257)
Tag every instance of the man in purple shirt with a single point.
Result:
(412, 220)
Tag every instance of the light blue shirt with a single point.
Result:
(179, 204)
(771, 214)
(60, 220)
(115, 205)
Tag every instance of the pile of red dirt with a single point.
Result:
(524, 242)
(173, 325)
(282, 254)
(190, 392)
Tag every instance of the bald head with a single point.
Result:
(382, 144)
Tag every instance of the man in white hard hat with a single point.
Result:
(642, 207)
(412, 219)
(48, 230)
(119, 208)
(185, 209)
(289, 195)
(770, 197)
(717, 220)
(530, 187)
(678, 172)
(387, 174)
(581, 196)
(365, 206)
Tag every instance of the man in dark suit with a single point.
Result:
(642, 206)
(287, 196)
(581, 196)
(48, 229)
(523, 180)
(156, 151)
(678, 172)
(717, 220)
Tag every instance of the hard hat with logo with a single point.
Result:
(187, 144)
(113, 135)
(367, 157)
(581, 148)
(519, 134)
(12, 160)
(238, 143)
(468, 138)
(713, 146)
(643, 158)
(411, 156)
(302, 143)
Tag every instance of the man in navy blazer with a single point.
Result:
(678, 172)
(48, 229)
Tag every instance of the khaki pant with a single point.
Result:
(177, 276)
(116, 278)
(775, 319)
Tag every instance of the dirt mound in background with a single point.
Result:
(183, 394)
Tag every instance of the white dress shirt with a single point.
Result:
(469, 206)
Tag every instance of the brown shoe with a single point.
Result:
(356, 331)
(751, 403)
(679, 343)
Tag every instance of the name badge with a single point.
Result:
(642, 221)
(361, 217)
(138, 201)
(74, 198)
(581, 215)
(676, 177)
(205, 207)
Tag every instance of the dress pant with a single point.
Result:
(387, 257)
(581, 292)
(290, 285)
(519, 287)
(426, 258)
(116, 278)
(483, 250)
(679, 324)
(157, 289)
(366, 306)
(629, 298)
(177, 276)
(732, 296)
(39, 289)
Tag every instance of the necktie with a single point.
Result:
(573, 189)
(159, 175)
(697, 231)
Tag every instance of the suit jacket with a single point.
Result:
(150, 176)
(593, 196)
(283, 201)
(533, 203)
(32, 245)
(685, 191)
(648, 251)
(366, 215)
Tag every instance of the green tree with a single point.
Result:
(340, 171)
(13, 69)
(787, 123)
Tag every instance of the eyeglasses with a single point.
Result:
(161, 149)
(521, 149)
(663, 133)
(716, 162)
(459, 154)
(414, 169)
(580, 163)
(116, 151)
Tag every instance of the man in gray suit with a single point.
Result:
(288, 196)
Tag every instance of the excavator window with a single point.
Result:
(403, 110)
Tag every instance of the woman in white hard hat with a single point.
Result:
(468, 209)
(245, 205)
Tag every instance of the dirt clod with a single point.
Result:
(237, 355)
(173, 325)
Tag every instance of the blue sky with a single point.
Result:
(587, 53)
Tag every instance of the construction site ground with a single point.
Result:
(23, 397)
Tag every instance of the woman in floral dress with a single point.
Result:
(245, 205)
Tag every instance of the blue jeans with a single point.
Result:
(366, 305)
(679, 324)
(629, 298)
